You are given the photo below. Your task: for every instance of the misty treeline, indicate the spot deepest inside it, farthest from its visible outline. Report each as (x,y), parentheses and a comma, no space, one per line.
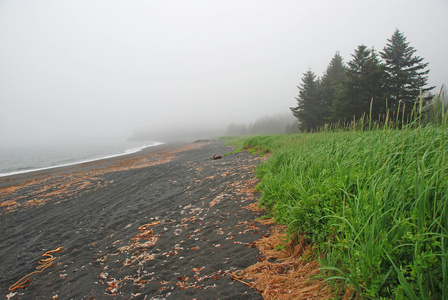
(276,124)
(372,85)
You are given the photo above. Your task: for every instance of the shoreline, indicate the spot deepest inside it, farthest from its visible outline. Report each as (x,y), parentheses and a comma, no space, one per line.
(126,152)
(165,222)
(99,163)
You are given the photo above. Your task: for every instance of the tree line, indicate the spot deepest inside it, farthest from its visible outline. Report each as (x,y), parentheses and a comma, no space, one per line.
(275,124)
(373,85)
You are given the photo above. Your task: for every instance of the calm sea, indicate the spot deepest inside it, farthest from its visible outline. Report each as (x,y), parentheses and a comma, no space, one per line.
(16,160)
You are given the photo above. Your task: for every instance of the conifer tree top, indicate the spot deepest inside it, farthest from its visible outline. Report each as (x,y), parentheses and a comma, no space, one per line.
(407,74)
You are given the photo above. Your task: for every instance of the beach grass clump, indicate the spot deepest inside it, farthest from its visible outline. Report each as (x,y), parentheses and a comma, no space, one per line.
(373,202)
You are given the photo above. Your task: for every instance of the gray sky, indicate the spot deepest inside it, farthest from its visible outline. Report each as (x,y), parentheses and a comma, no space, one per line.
(94,69)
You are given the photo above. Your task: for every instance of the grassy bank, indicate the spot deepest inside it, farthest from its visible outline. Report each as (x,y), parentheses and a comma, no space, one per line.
(374,203)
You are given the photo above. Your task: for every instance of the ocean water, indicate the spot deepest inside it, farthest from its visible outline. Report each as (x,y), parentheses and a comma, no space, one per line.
(17,160)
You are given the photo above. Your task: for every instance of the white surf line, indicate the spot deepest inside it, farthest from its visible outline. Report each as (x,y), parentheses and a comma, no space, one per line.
(127,152)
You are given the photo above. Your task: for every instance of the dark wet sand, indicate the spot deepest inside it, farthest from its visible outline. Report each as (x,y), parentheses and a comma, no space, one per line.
(167,222)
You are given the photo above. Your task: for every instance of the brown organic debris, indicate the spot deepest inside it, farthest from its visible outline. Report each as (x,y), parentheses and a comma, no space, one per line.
(216,156)
(286,273)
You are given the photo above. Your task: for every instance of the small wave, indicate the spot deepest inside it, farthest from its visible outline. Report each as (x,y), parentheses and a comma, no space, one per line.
(126,152)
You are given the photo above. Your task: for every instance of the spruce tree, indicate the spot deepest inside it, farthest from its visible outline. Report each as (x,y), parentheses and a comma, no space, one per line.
(308,108)
(331,82)
(363,83)
(406,73)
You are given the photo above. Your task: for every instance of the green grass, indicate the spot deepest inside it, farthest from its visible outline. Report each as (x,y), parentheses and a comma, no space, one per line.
(237,141)
(373,202)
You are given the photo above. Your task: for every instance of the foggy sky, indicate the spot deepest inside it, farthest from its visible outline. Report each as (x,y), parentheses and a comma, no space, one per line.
(89,70)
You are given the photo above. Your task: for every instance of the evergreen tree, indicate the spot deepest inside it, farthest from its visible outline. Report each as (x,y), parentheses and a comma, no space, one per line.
(364,82)
(329,87)
(308,106)
(406,73)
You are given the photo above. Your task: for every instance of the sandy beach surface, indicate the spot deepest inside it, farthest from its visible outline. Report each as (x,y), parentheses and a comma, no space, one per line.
(167,222)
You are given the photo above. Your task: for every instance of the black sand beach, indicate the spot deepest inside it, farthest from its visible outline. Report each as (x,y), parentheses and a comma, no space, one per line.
(167,222)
